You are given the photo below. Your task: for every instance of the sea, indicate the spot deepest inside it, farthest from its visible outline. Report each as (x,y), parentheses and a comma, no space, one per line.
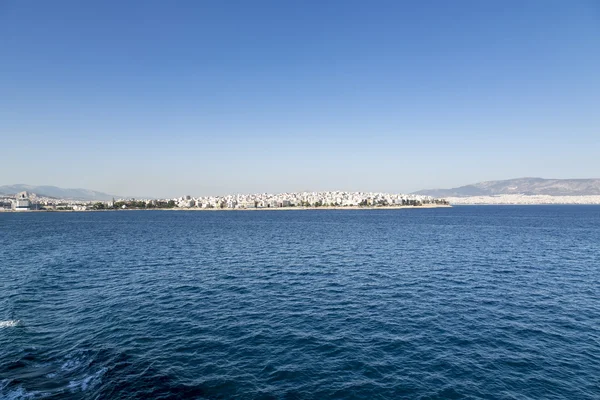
(469,302)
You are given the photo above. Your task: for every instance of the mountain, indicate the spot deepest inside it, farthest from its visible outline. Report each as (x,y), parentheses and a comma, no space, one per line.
(56,192)
(526,186)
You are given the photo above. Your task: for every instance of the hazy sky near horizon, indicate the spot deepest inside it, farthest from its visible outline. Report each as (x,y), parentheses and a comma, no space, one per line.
(165,98)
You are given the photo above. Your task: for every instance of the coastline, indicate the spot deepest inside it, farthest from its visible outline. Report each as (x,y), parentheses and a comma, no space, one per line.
(246,209)
(313,208)
(521,199)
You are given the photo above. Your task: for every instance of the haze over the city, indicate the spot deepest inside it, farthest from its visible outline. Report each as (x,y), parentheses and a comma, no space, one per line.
(156,99)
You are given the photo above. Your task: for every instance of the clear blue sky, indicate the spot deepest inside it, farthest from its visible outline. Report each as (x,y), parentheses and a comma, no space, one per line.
(167,98)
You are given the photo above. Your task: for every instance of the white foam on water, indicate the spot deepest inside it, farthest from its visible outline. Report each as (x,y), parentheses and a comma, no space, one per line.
(71,365)
(87,382)
(75,361)
(9,323)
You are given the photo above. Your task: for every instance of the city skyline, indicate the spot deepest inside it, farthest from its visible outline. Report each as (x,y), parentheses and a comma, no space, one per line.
(207,99)
(579,190)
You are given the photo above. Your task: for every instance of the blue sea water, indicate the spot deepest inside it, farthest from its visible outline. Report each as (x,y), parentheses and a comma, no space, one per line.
(469,302)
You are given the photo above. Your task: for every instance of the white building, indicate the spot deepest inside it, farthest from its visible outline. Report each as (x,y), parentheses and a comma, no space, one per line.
(22,202)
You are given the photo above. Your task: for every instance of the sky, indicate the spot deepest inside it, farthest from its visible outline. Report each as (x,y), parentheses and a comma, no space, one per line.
(166,98)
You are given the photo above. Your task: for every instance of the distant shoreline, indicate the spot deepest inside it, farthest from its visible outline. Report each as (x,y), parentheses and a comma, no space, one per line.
(522,204)
(514,199)
(314,208)
(247,209)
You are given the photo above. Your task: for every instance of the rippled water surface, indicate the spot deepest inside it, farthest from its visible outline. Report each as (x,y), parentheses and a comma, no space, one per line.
(468,302)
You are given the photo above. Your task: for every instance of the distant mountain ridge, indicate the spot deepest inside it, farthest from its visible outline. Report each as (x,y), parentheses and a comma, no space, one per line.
(56,192)
(526,186)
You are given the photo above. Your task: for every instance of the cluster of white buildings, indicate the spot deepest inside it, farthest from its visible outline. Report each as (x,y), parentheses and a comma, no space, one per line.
(25,201)
(305,199)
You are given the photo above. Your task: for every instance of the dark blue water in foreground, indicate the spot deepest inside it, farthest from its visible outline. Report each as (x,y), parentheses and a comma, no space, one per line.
(469,302)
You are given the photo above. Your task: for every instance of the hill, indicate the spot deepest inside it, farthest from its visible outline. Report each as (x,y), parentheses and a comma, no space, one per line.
(526,186)
(56,192)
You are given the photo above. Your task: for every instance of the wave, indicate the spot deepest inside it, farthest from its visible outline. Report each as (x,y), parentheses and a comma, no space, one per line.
(10,323)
